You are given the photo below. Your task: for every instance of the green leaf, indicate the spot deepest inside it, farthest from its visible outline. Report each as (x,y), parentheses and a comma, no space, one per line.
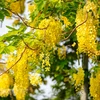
(11,48)
(2,46)
(40,4)
(1,16)
(37,1)
(9,27)
(5,12)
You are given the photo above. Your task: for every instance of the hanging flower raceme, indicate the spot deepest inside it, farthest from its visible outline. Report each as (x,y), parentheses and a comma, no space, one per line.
(51,35)
(20,73)
(16,6)
(87,32)
(5,83)
(95,86)
(21,77)
(78,78)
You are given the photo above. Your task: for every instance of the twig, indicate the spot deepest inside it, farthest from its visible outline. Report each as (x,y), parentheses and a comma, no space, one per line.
(2,62)
(27,45)
(25,22)
(14,63)
(76,27)
(11,95)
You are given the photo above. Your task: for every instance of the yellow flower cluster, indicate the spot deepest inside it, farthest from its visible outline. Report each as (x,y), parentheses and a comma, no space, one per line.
(51,35)
(35,79)
(66,21)
(79,78)
(87,32)
(45,61)
(91,6)
(95,86)
(5,83)
(43,45)
(21,77)
(47,37)
(20,73)
(31,7)
(16,6)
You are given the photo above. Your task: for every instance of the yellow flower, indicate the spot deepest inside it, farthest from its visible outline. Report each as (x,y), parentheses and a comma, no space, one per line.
(16,6)
(5,83)
(31,7)
(73,45)
(35,79)
(47,68)
(95,85)
(66,21)
(87,32)
(79,78)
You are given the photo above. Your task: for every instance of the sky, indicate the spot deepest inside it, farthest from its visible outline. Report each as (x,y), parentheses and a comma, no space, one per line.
(3,28)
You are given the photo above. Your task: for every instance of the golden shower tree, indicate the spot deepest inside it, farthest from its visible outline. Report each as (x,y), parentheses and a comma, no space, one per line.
(47,38)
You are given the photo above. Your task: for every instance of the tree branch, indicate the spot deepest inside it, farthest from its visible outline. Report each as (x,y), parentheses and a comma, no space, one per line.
(14,63)
(28,45)
(25,23)
(3,63)
(76,27)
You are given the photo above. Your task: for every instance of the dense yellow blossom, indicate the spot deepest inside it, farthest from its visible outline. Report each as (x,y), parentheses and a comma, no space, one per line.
(51,35)
(16,6)
(47,37)
(21,77)
(95,86)
(5,83)
(20,73)
(91,6)
(87,32)
(79,78)
(19,92)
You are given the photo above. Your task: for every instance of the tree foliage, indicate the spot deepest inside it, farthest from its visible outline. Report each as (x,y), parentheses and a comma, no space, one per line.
(47,38)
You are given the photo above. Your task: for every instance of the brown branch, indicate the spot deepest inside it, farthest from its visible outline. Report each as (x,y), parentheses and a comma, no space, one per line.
(25,23)
(28,45)
(14,63)
(11,95)
(76,27)
(2,62)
